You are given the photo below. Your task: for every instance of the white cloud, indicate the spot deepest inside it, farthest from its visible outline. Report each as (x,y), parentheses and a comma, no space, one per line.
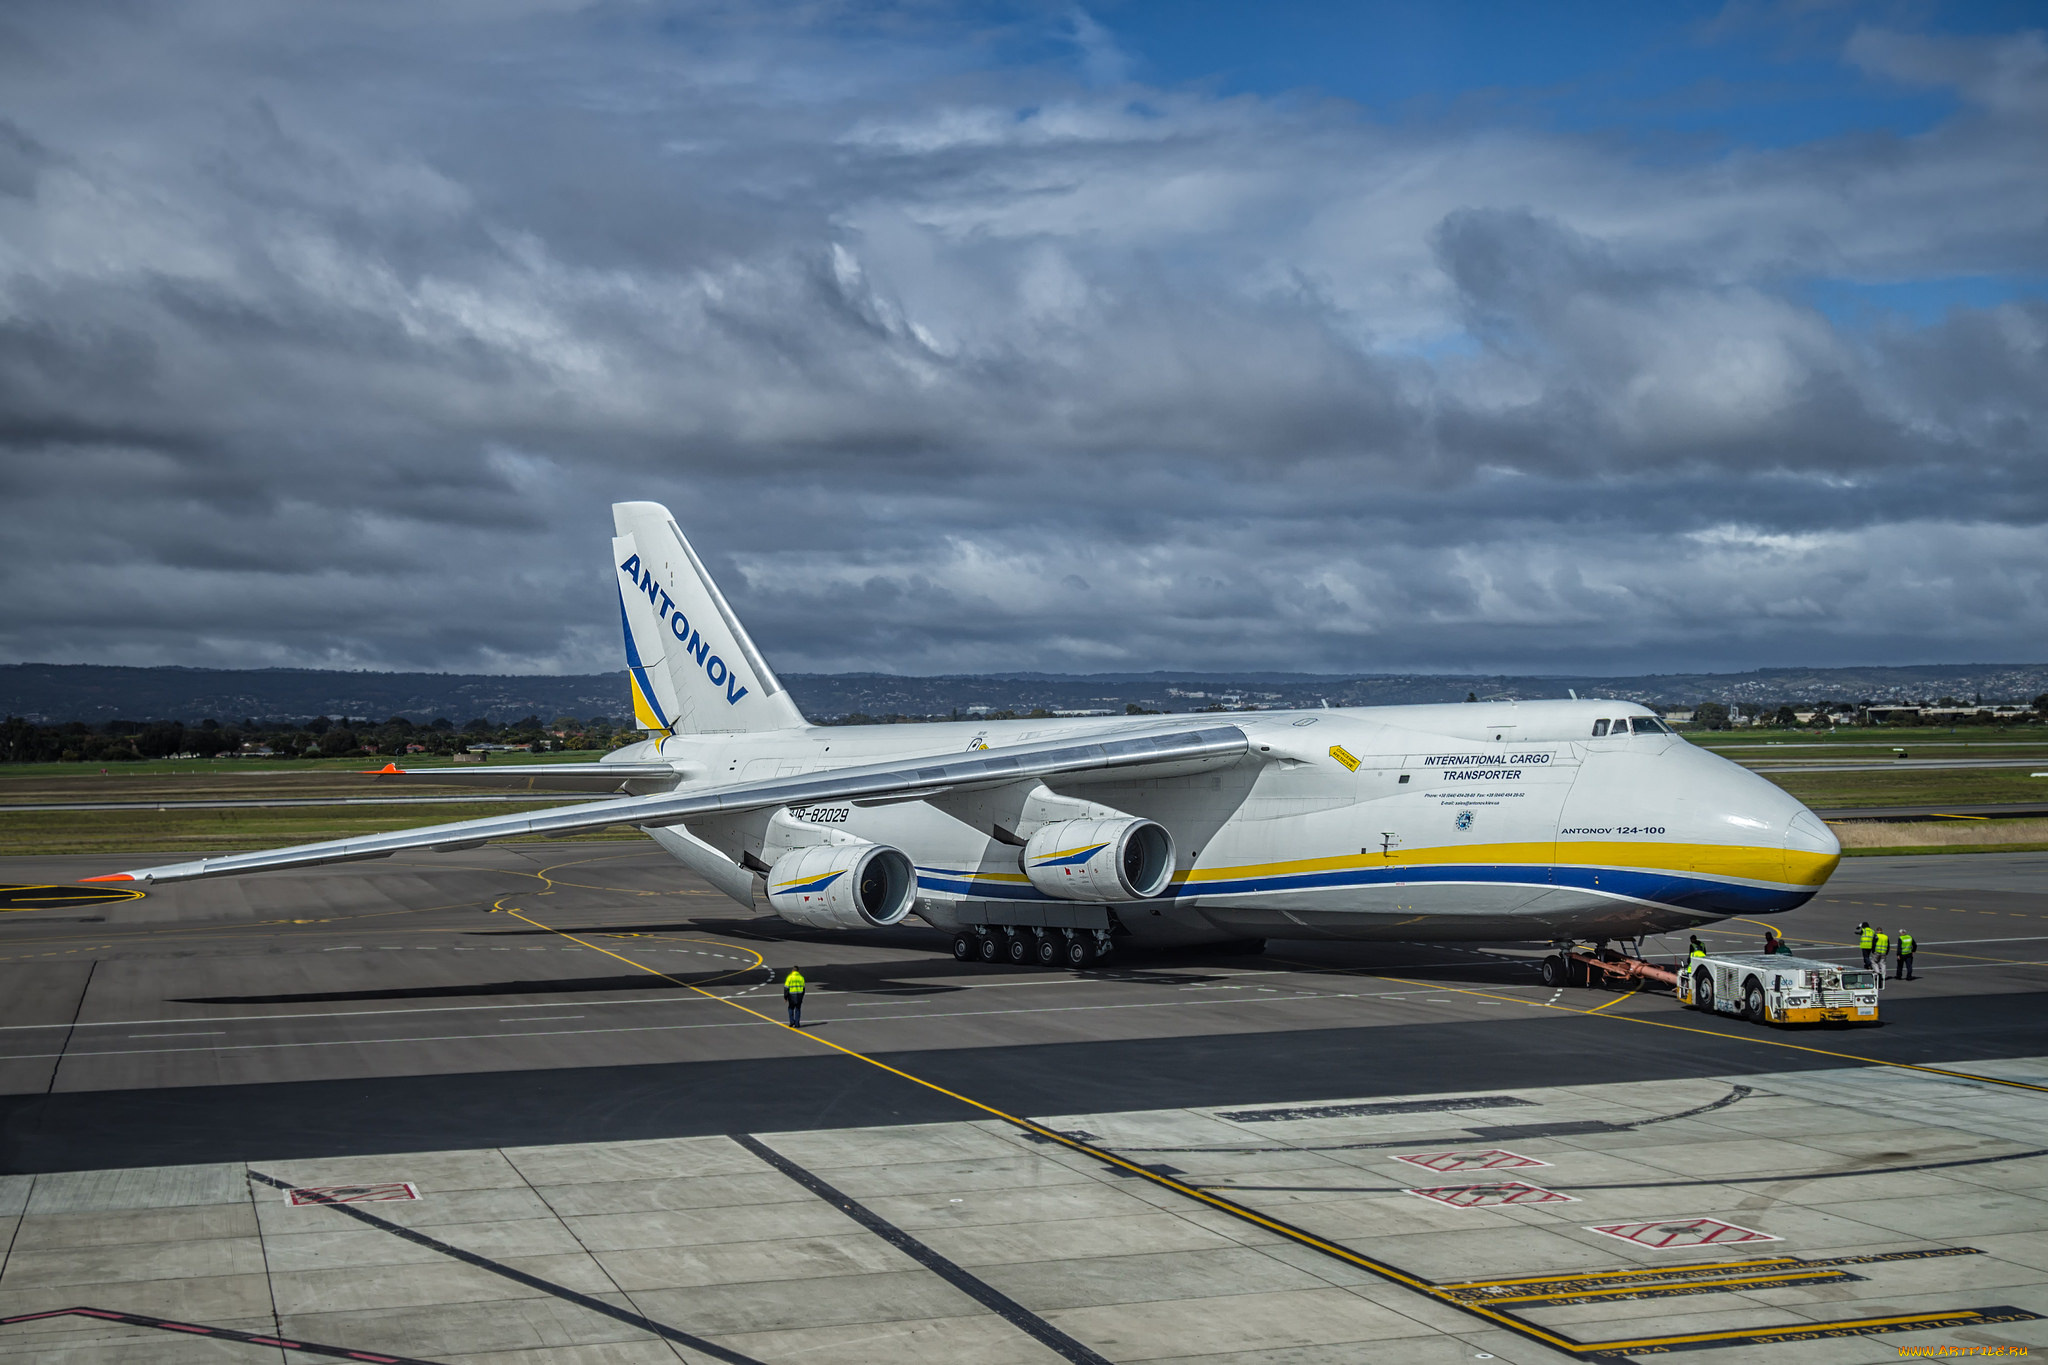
(339,341)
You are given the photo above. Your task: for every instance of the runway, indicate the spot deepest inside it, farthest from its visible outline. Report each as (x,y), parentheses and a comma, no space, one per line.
(555,1077)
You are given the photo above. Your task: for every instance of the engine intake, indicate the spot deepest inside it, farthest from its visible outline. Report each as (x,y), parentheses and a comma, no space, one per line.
(1100,860)
(843,886)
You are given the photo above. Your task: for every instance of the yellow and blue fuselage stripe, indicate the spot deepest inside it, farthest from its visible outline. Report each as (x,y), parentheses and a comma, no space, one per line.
(1703,877)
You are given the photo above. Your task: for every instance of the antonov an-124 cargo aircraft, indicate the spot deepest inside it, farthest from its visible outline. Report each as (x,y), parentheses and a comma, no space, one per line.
(1053,840)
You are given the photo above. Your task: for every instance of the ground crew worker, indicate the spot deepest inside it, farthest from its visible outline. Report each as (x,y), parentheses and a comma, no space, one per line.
(1699,949)
(793,996)
(1905,955)
(1772,943)
(1865,936)
(1879,944)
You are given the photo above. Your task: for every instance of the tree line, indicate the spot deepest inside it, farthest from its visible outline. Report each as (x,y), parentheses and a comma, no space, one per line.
(397,738)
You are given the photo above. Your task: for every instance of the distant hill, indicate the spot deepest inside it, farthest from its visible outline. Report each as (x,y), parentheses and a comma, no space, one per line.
(55,693)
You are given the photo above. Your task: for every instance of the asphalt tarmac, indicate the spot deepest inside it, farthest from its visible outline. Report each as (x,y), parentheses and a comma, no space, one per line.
(438,1002)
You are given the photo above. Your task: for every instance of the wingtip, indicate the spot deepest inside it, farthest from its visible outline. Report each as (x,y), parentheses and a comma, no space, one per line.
(387,768)
(110,877)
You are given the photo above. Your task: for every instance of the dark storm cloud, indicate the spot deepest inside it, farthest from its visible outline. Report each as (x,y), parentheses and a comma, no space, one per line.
(330,344)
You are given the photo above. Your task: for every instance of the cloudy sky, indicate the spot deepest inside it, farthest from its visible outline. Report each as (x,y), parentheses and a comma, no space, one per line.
(1308,336)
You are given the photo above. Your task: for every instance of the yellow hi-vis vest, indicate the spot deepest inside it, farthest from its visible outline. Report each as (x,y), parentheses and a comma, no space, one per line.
(1883,942)
(1905,944)
(794,982)
(1865,936)
(1699,952)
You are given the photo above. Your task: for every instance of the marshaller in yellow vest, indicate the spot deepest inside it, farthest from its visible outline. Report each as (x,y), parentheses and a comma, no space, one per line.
(793,996)
(1905,955)
(1881,944)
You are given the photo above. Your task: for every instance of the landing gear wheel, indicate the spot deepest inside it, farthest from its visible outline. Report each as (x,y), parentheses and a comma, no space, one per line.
(1703,993)
(1553,970)
(1048,953)
(965,949)
(989,949)
(1019,949)
(1753,1002)
(1080,952)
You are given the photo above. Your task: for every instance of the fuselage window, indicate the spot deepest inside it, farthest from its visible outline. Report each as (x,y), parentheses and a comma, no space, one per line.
(1599,728)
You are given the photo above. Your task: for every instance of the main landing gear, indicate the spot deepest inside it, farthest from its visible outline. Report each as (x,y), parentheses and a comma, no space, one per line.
(1022,946)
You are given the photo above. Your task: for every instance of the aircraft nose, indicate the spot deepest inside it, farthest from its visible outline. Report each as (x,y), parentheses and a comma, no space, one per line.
(1807,834)
(1765,833)
(1779,826)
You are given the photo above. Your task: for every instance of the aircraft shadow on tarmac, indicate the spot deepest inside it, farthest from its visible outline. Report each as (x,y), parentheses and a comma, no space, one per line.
(560,985)
(1283,956)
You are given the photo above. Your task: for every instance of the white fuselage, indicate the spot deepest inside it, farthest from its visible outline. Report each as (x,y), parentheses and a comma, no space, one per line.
(1473,821)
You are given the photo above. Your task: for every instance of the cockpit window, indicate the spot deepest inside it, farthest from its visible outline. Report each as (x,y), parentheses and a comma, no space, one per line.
(1649,725)
(1599,728)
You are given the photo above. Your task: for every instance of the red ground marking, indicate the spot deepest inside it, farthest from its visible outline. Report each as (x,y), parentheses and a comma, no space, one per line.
(217,1333)
(1490,1196)
(352,1194)
(1672,1234)
(1492,1159)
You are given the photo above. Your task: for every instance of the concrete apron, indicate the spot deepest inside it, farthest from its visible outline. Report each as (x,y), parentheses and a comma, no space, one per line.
(1837,1215)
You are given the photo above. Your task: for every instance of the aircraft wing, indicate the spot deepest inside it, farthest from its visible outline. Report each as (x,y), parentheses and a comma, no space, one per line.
(535,777)
(1152,751)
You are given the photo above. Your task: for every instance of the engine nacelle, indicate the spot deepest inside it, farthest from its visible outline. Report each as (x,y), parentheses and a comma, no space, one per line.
(1100,860)
(843,886)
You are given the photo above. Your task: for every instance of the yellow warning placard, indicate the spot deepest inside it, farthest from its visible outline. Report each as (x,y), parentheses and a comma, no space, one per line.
(1344,756)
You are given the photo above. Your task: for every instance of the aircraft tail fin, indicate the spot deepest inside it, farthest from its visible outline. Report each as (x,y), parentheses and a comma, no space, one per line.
(693,669)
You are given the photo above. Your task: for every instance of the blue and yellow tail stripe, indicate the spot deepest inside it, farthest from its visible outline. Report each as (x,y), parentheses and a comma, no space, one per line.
(1717,878)
(646,710)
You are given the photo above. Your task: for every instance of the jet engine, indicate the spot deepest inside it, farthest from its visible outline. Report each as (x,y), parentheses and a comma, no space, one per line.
(843,886)
(1100,860)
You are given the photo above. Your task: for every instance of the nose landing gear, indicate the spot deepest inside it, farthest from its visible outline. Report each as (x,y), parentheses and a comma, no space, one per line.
(1569,965)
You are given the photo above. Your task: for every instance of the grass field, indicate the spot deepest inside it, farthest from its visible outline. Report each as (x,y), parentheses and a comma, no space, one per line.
(158,767)
(1864,837)
(1880,736)
(191,833)
(1915,787)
